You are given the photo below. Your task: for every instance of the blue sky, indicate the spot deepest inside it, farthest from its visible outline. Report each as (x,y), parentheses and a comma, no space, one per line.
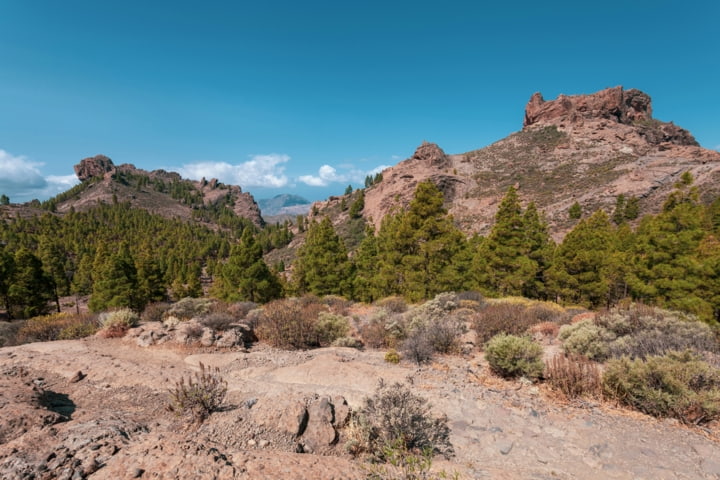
(306,97)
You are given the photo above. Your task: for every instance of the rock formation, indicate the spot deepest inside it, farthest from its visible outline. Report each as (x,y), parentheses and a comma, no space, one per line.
(96,166)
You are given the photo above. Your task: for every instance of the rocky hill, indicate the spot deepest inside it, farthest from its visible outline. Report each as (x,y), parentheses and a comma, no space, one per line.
(585,148)
(158,191)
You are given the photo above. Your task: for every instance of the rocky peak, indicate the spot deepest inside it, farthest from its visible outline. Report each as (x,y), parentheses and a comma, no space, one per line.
(627,107)
(622,106)
(96,166)
(431,155)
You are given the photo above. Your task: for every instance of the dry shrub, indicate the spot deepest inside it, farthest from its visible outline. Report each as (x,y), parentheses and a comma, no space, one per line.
(240,310)
(154,312)
(383,330)
(546,329)
(116,323)
(291,323)
(58,326)
(501,317)
(217,321)
(393,304)
(200,396)
(392,356)
(395,414)
(418,347)
(187,308)
(574,376)
(337,304)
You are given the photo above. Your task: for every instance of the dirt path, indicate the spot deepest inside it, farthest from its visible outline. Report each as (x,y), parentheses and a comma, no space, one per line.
(499,429)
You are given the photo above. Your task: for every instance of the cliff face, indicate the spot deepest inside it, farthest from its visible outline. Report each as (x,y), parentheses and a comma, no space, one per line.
(584,148)
(107,182)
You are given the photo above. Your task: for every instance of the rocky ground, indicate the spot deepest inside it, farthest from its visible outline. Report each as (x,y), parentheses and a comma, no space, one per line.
(96,408)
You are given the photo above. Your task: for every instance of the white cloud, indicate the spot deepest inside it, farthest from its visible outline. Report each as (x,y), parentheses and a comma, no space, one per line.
(327,175)
(260,171)
(22,180)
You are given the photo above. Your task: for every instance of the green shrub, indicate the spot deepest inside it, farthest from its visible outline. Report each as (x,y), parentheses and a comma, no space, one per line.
(403,464)
(348,342)
(392,356)
(637,332)
(587,339)
(329,327)
(573,375)
(78,330)
(678,385)
(512,356)
(198,397)
(394,415)
(188,308)
(117,322)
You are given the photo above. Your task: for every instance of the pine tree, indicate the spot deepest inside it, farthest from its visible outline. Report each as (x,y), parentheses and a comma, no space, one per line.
(512,260)
(357,207)
(30,287)
(575,211)
(322,266)
(365,261)
(115,282)
(418,250)
(7,267)
(579,273)
(618,216)
(666,266)
(245,276)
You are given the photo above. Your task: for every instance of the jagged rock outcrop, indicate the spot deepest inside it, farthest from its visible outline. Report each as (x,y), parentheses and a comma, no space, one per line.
(96,166)
(431,155)
(626,107)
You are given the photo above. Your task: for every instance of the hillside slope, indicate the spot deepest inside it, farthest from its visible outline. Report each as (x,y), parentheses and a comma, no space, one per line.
(586,148)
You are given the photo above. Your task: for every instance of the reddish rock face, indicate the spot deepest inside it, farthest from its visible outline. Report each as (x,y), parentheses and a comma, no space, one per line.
(96,166)
(623,106)
(431,154)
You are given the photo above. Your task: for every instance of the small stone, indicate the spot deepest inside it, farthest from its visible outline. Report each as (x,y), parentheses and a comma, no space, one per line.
(136,472)
(251,443)
(263,443)
(77,377)
(505,447)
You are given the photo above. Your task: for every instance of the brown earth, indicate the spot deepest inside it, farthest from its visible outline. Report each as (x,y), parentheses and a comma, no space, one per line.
(110,420)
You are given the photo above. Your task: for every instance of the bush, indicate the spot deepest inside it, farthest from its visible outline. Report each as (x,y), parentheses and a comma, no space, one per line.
(291,323)
(337,305)
(678,385)
(498,318)
(199,397)
(154,312)
(403,464)
(58,326)
(348,342)
(392,356)
(638,332)
(240,310)
(330,327)
(444,335)
(511,356)
(587,339)
(417,347)
(574,376)
(383,330)
(188,308)
(393,304)
(117,322)
(217,321)
(394,415)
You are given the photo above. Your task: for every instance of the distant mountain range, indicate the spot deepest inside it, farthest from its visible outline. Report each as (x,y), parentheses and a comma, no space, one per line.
(284,204)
